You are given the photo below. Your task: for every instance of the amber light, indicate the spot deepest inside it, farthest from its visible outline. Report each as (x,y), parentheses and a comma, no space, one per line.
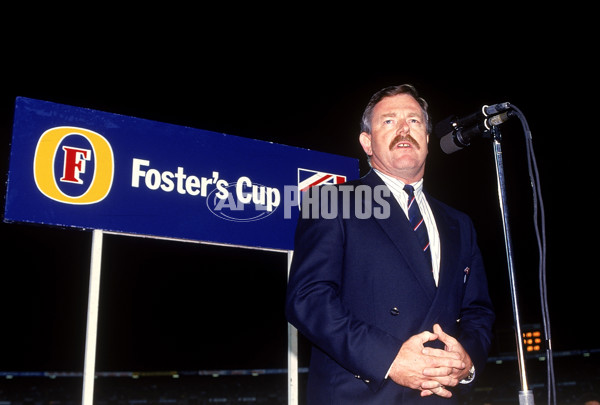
(532,340)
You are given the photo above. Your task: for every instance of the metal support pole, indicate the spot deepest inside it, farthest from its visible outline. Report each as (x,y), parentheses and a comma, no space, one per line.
(91,334)
(292,355)
(525,395)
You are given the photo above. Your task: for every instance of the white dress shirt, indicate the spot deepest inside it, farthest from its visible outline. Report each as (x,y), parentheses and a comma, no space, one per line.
(397,188)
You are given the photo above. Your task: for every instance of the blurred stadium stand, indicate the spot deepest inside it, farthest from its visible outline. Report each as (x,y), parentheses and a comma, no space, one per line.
(576,373)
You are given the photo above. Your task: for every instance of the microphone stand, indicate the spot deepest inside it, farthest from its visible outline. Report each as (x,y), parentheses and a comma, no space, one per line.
(525,394)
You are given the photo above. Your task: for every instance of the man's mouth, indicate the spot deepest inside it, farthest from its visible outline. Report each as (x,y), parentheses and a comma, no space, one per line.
(403,142)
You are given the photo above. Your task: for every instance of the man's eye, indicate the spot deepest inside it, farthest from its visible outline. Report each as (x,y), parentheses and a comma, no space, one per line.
(388,122)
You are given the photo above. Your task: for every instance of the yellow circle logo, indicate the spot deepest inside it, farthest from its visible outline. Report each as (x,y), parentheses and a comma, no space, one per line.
(74,164)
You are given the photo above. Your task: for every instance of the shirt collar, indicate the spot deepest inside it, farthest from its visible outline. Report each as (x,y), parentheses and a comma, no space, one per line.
(397,185)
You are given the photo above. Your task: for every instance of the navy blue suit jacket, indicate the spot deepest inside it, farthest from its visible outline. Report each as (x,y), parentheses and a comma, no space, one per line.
(358,289)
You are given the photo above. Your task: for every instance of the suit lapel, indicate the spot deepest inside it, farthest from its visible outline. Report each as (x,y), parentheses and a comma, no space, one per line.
(449,248)
(449,243)
(398,229)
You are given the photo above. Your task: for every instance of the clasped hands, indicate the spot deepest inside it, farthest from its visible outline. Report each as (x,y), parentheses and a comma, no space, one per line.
(427,369)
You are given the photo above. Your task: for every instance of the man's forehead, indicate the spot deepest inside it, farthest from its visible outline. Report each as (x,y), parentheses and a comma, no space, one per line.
(391,111)
(392,104)
(395,114)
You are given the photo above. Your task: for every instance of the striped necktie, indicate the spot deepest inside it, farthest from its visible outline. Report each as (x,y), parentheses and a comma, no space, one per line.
(417,222)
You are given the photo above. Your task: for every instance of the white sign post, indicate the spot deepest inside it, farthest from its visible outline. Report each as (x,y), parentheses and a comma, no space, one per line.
(89,366)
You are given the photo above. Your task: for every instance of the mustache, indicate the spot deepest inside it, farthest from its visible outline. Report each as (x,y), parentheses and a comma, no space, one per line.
(404,138)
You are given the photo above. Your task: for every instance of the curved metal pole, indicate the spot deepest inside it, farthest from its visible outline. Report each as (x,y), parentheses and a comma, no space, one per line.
(525,395)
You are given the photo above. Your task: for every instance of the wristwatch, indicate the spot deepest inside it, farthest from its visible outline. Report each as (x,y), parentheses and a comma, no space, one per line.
(469,377)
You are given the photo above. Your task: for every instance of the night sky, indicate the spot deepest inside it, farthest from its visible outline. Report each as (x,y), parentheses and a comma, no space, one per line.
(187,306)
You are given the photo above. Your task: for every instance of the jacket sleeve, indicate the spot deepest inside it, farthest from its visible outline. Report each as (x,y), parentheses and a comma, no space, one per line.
(314,305)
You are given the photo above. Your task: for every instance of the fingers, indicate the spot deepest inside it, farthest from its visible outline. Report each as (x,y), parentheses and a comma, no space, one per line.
(448,340)
(430,351)
(440,390)
(454,346)
(436,358)
(445,365)
(437,385)
(447,380)
(427,336)
(428,369)
(438,330)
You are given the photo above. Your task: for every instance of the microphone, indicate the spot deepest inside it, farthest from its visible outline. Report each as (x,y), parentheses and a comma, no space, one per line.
(453,122)
(459,138)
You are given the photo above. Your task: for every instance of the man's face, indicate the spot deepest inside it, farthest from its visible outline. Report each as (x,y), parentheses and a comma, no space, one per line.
(398,140)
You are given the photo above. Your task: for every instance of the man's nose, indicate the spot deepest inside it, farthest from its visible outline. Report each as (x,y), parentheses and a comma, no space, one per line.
(403,127)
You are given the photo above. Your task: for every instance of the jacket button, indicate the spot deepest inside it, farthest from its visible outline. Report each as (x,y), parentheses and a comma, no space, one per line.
(394,311)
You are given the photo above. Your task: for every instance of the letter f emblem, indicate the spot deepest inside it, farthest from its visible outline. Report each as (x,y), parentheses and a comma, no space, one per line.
(74,164)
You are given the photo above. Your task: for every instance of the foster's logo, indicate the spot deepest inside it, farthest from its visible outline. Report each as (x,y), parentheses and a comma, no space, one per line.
(73,165)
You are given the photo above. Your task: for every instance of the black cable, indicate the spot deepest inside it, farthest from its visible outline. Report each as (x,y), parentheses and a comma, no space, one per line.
(538,208)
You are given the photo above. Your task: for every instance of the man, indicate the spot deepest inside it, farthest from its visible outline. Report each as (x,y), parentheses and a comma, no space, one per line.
(390,321)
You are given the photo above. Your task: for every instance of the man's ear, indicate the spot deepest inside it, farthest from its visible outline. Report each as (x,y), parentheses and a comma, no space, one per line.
(365,141)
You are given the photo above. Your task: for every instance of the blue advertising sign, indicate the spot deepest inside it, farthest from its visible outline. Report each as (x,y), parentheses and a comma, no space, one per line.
(77,167)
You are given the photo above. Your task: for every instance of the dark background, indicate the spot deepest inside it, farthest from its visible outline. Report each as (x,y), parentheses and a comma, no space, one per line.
(177,306)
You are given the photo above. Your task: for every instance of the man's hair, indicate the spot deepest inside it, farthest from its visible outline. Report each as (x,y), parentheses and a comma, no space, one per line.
(365,124)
